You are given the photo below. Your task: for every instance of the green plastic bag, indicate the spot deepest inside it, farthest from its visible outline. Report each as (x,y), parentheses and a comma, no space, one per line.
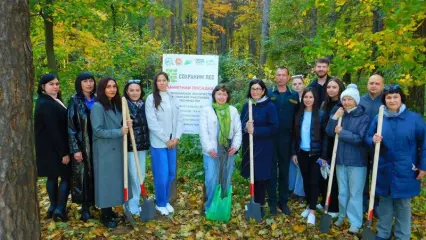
(220,208)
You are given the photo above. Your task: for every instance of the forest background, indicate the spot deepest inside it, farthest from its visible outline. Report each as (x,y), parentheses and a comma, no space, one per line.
(126,39)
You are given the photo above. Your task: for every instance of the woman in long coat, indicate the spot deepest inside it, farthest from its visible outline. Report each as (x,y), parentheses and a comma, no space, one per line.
(402,163)
(51,145)
(80,142)
(263,127)
(106,119)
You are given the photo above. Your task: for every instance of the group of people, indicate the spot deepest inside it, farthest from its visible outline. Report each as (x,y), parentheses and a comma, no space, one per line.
(293,136)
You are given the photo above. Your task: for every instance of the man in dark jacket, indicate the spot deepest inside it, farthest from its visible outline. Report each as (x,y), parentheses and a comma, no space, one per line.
(371,102)
(318,82)
(286,102)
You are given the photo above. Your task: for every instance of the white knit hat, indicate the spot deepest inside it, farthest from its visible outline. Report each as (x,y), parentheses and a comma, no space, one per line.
(351,91)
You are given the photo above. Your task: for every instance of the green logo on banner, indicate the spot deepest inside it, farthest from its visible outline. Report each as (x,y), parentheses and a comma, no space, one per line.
(172,74)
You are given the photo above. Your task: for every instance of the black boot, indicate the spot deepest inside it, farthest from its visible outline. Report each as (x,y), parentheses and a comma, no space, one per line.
(52,191)
(107,218)
(60,213)
(85,212)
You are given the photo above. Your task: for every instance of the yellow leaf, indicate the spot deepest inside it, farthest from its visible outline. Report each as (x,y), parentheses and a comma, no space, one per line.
(299,228)
(52,226)
(273,227)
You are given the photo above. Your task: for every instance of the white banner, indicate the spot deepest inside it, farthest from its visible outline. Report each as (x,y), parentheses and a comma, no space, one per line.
(192,80)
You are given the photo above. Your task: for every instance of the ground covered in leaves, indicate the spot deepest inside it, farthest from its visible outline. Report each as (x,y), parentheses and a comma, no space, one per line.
(189,222)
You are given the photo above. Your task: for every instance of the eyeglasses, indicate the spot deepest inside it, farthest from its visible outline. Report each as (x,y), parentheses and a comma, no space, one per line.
(256,89)
(392,87)
(134,81)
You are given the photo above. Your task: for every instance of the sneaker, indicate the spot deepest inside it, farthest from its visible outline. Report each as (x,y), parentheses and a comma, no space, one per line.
(353,230)
(339,222)
(305,213)
(319,207)
(169,207)
(162,210)
(311,219)
(333,214)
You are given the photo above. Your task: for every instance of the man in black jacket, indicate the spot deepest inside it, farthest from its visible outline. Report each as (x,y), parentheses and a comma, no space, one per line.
(318,82)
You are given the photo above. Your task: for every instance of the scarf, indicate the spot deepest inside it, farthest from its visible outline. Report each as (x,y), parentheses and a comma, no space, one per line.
(401,109)
(260,100)
(224,116)
(138,103)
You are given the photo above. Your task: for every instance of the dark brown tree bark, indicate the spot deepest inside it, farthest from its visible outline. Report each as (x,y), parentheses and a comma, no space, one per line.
(46,14)
(19,214)
(199,26)
(265,30)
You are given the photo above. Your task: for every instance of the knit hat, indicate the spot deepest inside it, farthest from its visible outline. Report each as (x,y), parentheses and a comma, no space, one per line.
(351,91)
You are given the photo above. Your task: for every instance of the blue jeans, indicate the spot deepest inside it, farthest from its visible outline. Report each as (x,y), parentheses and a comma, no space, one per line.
(164,171)
(211,169)
(351,181)
(134,183)
(295,180)
(401,210)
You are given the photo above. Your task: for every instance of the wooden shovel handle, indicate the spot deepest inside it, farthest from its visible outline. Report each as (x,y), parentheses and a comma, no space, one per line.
(375,164)
(123,111)
(333,165)
(250,110)
(135,151)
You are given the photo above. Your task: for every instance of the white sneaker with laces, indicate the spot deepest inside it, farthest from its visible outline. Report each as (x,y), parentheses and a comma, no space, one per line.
(305,213)
(311,219)
(162,210)
(169,207)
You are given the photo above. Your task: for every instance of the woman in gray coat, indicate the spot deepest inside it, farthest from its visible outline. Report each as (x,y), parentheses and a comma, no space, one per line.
(106,120)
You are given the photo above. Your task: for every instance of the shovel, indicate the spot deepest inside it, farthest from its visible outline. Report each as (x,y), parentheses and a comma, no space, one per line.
(147,209)
(126,193)
(325,221)
(367,233)
(252,209)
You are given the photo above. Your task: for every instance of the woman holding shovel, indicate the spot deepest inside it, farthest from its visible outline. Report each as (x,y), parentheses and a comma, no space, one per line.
(220,131)
(351,156)
(309,136)
(133,93)
(402,163)
(165,123)
(263,127)
(80,142)
(106,119)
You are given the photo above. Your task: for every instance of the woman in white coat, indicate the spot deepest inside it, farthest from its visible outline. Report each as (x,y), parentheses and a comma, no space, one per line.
(220,130)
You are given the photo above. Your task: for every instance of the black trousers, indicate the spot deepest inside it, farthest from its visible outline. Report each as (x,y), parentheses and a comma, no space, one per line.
(311,177)
(260,191)
(334,195)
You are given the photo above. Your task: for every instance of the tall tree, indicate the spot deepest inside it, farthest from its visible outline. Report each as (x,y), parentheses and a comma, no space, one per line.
(18,189)
(265,30)
(47,15)
(180,27)
(152,22)
(172,21)
(199,26)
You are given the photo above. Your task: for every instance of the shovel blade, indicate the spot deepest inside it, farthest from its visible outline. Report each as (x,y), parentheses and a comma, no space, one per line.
(253,211)
(325,223)
(147,210)
(368,234)
(128,214)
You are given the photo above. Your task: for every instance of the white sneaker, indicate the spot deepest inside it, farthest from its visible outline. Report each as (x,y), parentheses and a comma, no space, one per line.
(339,222)
(169,207)
(305,213)
(333,214)
(162,210)
(311,219)
(319,207)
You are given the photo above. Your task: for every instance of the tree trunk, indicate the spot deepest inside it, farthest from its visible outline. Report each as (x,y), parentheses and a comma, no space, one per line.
(199,26)
(114,18)
(19,214)
(313,26)
(48,33)
(152,22)
(378,25)
(163,22)
(265,30)
(180,26)
(172,22)
(223,41)
(252,46)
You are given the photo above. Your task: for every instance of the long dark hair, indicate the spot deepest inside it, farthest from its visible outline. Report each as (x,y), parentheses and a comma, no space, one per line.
(83,76)
(103,99)
(315,115)
(126,88)
(156,92)
(328,99)
(45,79)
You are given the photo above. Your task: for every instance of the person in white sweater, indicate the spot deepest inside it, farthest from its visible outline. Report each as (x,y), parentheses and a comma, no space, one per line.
(220,136)
(165,124)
